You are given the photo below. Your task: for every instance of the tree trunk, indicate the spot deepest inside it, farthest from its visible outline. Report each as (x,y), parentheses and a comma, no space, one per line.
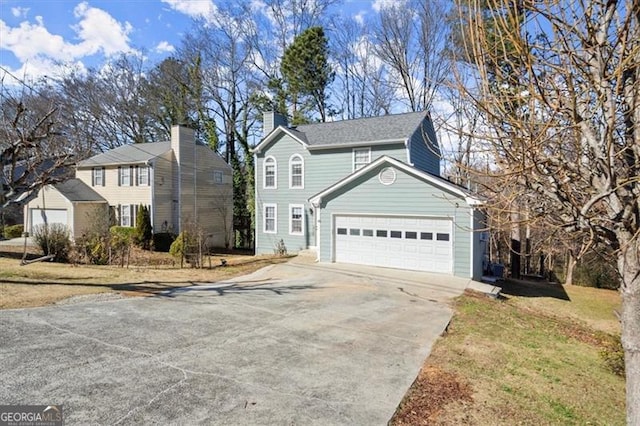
(571,266)
(629,269)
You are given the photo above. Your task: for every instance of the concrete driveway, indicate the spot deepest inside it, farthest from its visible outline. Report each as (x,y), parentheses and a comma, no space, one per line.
(295,343)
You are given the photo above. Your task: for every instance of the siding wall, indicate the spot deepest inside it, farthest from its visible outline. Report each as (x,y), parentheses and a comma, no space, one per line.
(48,198)
(322,168)
(424,149)
(83,214)
(407,196)
(117,195)
(163,197)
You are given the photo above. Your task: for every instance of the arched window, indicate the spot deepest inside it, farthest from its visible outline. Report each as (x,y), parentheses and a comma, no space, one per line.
(270,173)
(296,172)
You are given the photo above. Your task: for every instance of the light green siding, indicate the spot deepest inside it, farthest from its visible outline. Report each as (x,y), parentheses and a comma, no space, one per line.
(322,168)
(407,196)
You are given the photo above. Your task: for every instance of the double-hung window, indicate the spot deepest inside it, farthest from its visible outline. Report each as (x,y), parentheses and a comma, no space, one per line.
(126,218)
(97,176)
(270,172)
(361,157)
(143,176)
(124,176)
(296,172)
(296,219)
(269,216)
(218,177)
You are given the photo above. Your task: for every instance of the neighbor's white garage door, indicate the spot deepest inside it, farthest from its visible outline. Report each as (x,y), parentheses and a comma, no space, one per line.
(38,217)
(396,242)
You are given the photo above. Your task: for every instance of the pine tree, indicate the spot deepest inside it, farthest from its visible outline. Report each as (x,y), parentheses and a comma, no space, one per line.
(144,231)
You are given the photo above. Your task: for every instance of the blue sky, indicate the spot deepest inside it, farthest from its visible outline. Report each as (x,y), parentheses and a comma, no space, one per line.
(36,35)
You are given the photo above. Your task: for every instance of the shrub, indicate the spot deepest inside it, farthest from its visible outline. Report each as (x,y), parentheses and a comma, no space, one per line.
(53,240)
(13,231)
(613,356)
(95,247)
(162,241)
(123,232)
(186,246)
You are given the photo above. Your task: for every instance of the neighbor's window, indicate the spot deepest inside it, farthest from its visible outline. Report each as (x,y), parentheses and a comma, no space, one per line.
(97,176)
(270,211)
(143,176)
(296,219)
(270,167)
(361,157)
(296,172)
(124,176)
(218,177)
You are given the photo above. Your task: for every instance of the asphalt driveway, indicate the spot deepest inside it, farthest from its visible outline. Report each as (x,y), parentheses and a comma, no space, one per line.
(291,344)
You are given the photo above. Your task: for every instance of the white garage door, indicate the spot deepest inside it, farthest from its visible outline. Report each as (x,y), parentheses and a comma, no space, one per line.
(396,242)
(38,217)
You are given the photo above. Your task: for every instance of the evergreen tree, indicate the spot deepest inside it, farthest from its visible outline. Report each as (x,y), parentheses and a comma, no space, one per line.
(307,74)
(144,232)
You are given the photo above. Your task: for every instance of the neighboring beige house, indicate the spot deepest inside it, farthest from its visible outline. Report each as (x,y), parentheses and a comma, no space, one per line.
(183,182)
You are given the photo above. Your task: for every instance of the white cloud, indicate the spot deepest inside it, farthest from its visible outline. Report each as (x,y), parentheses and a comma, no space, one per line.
(41,52)
(359,17)
(100,31)
(193,8)
(165,47)
(379,5)
(19,12)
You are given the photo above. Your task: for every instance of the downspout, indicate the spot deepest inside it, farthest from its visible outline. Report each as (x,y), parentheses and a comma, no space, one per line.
(255,201)
(407,145)
(152,182)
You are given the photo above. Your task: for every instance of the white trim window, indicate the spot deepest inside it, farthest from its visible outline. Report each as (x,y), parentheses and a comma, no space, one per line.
(296,219)
(97,176)
(270,218)
(218,177)
(296,172)
(126,215)
(361,157)
(124,176)
(270,173)
(143,176)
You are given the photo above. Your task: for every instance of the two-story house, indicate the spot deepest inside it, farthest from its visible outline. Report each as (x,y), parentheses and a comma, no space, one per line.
(184,183)
(365,191)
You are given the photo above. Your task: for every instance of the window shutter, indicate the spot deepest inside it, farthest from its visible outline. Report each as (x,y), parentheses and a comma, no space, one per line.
(104,175)
(93,177)
(132,214)
(135,178)
(148,175)
(130,175)
(119,176)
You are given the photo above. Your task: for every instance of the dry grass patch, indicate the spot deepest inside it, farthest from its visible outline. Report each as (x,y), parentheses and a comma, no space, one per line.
(43,283)
(523,363)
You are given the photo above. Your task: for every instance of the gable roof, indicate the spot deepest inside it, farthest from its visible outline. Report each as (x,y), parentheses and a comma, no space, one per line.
(76,190)
(128,154)
(348,133)
(437,181)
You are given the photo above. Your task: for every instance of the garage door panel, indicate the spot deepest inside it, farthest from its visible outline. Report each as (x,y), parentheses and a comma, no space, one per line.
(401,242)
(49,216)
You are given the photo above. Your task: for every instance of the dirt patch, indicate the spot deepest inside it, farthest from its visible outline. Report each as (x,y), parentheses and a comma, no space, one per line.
(430,393)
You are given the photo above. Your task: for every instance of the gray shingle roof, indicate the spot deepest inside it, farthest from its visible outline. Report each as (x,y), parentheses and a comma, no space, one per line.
(77,190)
(127,154)
(374,129)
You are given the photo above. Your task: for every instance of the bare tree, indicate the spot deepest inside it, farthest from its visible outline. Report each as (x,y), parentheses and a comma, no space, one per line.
(410,39)
(559,83)
(33,148)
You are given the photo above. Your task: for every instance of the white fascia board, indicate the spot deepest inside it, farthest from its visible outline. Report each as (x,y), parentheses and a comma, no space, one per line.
(355,144)
(271,136)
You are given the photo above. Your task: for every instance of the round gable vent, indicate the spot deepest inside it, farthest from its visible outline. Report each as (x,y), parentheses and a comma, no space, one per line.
(387,176)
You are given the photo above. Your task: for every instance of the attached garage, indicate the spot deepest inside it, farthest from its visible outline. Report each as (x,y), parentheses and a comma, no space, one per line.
(393,215)
(50,216)
(416,243)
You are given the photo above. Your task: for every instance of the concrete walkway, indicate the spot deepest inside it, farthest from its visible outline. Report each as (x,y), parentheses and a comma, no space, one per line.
(293,344)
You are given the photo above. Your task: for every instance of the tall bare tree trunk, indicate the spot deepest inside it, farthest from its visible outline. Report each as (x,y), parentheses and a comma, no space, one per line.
(629,269)
(570,268)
